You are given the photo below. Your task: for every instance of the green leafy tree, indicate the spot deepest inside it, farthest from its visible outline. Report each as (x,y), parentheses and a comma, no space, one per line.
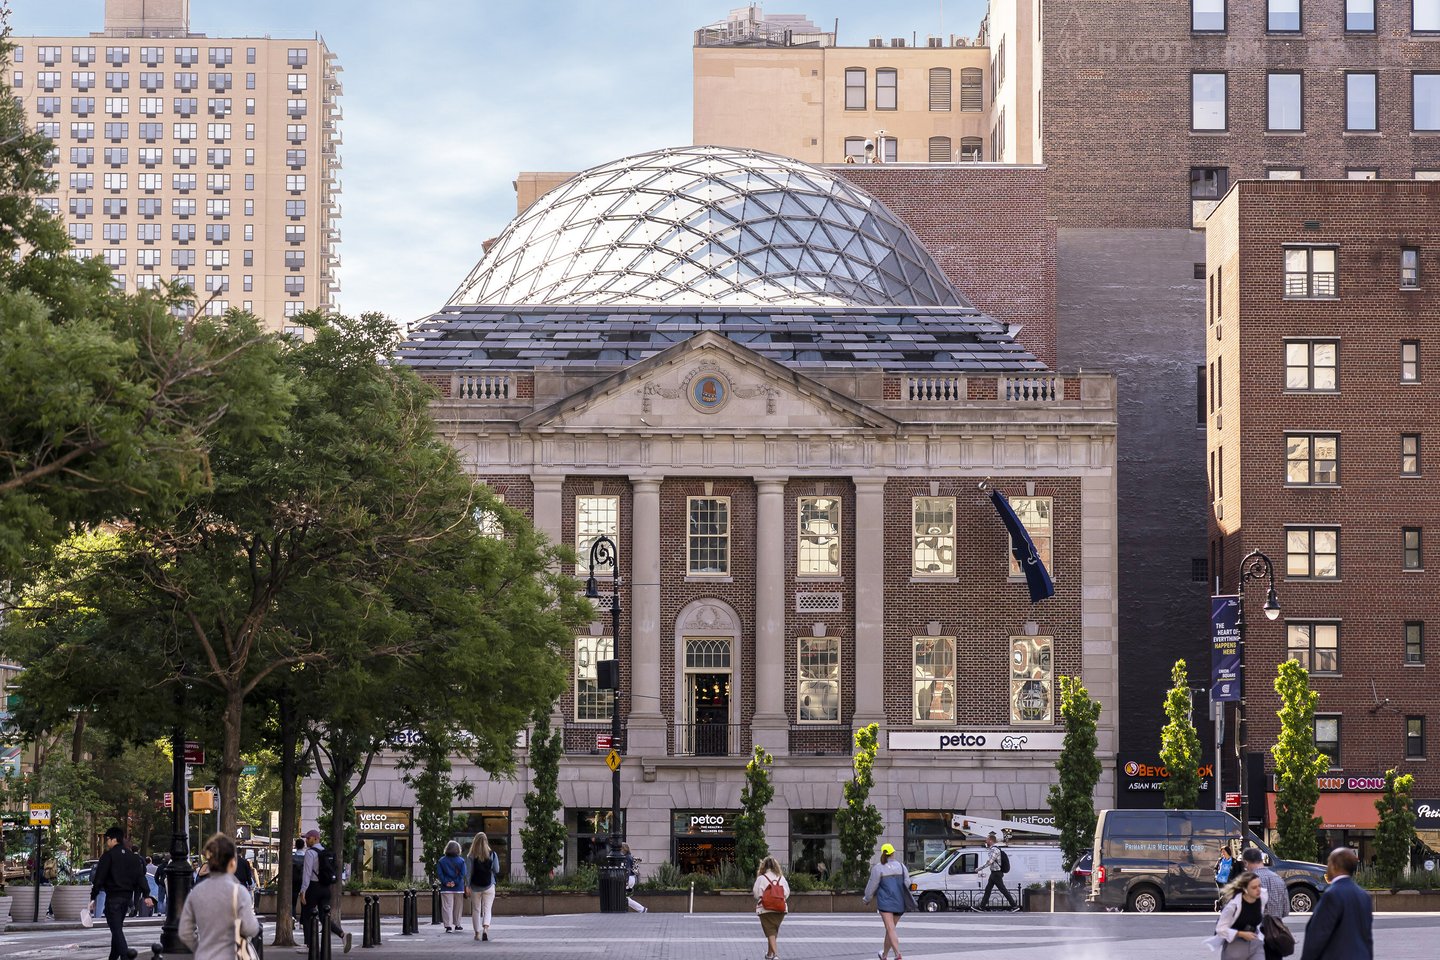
(859,822)
(1297,765)
(1072,798)
(427,770)
(1395,834)
(755,796)
(544,834)
(1180,744)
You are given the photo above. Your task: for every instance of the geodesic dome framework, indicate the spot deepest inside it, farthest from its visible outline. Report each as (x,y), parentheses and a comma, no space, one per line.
(708,225)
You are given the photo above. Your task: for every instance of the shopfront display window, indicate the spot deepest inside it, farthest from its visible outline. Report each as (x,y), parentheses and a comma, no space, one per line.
(927,834)
(587,835)
(383,839)
(702,841)
(496,826)
(814,843)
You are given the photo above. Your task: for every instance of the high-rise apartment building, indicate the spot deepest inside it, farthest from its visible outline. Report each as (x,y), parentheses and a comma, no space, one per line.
(204,161)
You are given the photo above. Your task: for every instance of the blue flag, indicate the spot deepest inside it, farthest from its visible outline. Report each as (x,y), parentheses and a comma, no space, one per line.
(1036,576)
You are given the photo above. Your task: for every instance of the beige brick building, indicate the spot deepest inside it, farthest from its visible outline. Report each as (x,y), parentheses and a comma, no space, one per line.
(179,157)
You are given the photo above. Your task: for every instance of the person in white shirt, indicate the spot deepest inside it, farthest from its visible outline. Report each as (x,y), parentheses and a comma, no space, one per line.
(770,881)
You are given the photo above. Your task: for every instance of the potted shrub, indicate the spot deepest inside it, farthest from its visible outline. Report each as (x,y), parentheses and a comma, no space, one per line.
(22,901)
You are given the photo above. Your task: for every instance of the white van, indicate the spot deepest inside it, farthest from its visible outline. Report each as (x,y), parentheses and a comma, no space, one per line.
(956,878)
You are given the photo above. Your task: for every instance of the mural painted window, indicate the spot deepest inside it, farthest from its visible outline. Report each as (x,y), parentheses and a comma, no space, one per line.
(934,679)
(818,671)
(591,702)
(1037,513)
(595,516)
(819,547)
(933,551)
(1031,673)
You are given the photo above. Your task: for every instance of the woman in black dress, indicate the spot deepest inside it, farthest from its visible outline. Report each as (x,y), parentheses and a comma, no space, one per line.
(1239,923)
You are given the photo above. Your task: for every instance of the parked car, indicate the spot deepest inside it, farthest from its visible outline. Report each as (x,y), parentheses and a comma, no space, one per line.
(1080,873)
(955,879)
(1148,860)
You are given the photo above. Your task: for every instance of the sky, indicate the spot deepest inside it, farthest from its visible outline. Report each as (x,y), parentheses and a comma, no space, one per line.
(445,101)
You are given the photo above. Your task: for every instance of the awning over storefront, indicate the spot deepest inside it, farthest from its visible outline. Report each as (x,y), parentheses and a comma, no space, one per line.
(1341,811)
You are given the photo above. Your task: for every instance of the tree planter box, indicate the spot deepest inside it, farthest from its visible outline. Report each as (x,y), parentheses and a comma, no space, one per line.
(1406,901)
(68,900)
(515,904)
(22,903)
(1040,901)
(4,911)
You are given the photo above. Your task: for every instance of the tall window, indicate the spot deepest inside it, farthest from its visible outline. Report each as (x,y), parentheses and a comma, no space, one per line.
(1425,102)
(1414,738)
(818,672)
(972,89)
(933,549)
(487,522)
(1315,645)
(1409,361)
(595,516)
(591,702)
(1207,16)
(1207,101)
(1286,111)
(1037,513)
(1327,738)
(934,679)
(1361,102)
(940,89)
(1409,268)
(939,149)
(819,533)
(1425,16)
(709,536)
(854,88)
(1284,16)
(1312,552)
(1310,272)
(1360,16)
(1415,642)
(1413,554)
(886,83)
(1409,454)
(1312,459)
(972,149)
(1031,698)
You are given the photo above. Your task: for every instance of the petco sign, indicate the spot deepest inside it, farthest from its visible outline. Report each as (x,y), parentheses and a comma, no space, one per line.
(949,740)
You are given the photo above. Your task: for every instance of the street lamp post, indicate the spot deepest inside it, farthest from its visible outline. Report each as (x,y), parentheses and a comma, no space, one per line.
(1256,566)
(603,551)
(177,872)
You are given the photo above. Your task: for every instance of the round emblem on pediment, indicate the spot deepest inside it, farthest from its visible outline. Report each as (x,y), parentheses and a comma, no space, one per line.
(709,392)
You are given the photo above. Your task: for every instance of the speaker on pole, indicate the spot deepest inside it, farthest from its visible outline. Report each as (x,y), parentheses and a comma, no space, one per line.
(607,674)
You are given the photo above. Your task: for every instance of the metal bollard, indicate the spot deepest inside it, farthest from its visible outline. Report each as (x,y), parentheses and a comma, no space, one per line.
(375,921)
(434,904)
(406,902)
(324,930)
(365,924)
(312,937)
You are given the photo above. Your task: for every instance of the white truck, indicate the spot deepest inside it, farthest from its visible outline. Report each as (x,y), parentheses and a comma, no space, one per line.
(956,878)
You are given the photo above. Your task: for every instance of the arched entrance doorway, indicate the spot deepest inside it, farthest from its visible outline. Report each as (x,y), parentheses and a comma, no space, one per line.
(707,687)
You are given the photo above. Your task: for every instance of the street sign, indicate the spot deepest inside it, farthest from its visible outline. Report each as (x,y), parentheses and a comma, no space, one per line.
(603,741)
(612,760)
(39,814)
(169,802)
(249,770)
(202,801)
(194,753)
(1232,799)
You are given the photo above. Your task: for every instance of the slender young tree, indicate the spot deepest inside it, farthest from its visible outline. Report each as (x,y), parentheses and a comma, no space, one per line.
(755,796)
(544,834)
(1072,798)
(859,822)
(1297,765)
(1180,744)
(1395,834)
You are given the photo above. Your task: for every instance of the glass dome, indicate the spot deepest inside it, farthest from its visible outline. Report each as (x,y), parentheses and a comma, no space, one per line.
(708,225)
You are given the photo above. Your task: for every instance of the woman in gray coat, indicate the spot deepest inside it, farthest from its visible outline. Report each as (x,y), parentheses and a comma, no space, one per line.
(208,924)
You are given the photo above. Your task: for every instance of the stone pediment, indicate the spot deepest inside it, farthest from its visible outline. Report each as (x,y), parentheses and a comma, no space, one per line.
(709,384)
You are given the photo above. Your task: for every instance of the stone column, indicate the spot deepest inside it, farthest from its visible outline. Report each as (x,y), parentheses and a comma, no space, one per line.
(549,506)
(646,724)
(771,724)
(869,547)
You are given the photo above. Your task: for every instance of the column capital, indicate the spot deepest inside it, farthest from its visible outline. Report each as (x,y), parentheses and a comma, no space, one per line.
(770,484)
(869,483)
(547,482)
(645,483)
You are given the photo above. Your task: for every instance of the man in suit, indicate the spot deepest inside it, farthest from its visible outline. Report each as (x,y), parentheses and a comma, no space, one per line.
(1339,929)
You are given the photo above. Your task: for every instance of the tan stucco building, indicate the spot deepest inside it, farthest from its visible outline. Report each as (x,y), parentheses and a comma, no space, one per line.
(182,157)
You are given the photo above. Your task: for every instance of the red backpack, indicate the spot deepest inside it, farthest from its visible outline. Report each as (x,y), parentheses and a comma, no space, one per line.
(773,899)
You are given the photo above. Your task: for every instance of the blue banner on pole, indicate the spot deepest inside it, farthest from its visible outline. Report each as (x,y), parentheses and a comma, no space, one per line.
(1225,649)
(1037,578)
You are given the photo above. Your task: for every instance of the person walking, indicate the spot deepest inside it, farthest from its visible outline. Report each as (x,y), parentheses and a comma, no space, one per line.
(632,877)
(1340,927)
(889,886)
(997,862)
(450,871)
(219,914)
(317,882)
(297,870)
(483,868)
(1237,932)
(120,874)
(772,895)
(1224,867)
(1277,898)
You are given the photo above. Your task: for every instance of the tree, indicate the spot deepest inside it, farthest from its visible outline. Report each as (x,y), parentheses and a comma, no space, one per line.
(434,792)
(1180,744)
(1072,798)
(750,845)
(543,834)
(1297,765)
(1395,834)
(858,822)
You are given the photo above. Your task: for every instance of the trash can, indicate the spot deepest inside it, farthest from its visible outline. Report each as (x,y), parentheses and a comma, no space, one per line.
(612,886)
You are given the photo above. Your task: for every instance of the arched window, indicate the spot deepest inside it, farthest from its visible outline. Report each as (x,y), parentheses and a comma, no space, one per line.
(940,88)
(972,90)
(940,150)
(972,149)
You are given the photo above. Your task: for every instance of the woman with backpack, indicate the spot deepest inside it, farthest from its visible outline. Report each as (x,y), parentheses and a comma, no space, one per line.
(889,885)
(483,866)
(771,892)
(450,871)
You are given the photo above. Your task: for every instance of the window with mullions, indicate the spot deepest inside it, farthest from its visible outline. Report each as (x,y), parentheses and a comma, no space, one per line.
(1316,646)
(1312,459)
(854,88)
(709,536)
(1415,642)
(1031,699)
(818,552)
(1327,738)
(1207,16)
(591,702)
(817,698)
(1412,548)
(1409,268)
(1312,553)
(1409,361)
(595,517)
(1283,16)
(933,547)
(588,836)
(886,89)
(1360,16)
(1409,454)
(934,679)
(1037,514)
(1310,272)
(488,522)
(1414,738)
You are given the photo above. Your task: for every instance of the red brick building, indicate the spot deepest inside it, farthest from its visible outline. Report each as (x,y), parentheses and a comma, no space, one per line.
(751,375)
(1321,405)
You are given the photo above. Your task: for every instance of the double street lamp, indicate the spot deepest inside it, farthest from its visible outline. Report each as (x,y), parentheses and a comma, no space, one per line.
(603,552)
(1256,566)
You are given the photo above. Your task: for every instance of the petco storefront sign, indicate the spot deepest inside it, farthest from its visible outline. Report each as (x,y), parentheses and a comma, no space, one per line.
(950,740)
